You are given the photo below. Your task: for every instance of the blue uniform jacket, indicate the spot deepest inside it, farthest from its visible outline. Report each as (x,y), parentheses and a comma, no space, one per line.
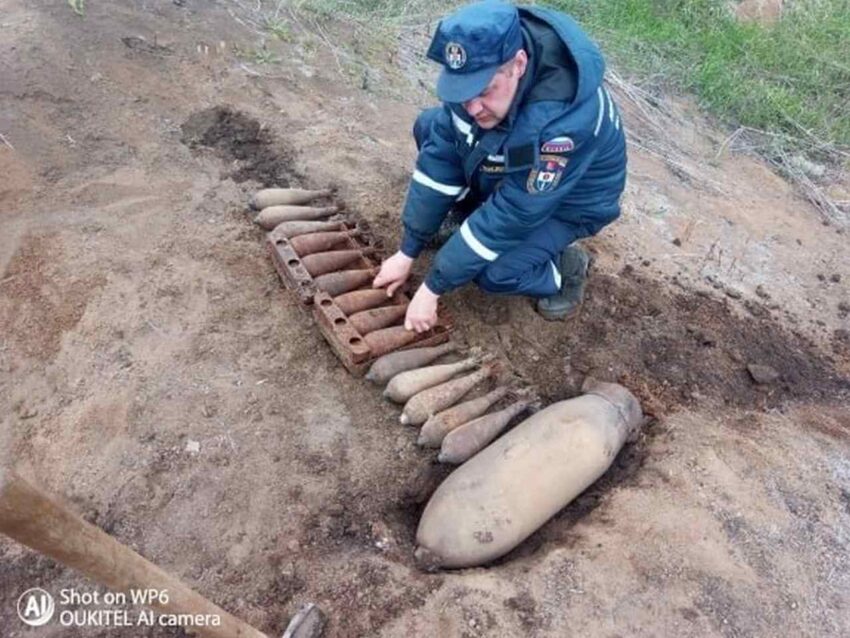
(559,152)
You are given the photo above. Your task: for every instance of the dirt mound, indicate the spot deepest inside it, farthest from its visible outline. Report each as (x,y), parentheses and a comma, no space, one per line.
(237,137)
(672,347)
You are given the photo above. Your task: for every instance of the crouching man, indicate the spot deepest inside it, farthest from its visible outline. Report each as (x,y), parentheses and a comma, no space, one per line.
(526,155)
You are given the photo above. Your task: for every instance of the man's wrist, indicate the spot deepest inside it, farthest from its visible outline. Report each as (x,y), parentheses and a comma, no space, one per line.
(410,246)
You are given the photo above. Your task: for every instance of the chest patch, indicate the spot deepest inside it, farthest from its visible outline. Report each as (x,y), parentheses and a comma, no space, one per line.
(562,144)
(546,175)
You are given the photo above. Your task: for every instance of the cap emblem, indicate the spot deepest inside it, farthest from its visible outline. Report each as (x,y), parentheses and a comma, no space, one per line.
(455,56)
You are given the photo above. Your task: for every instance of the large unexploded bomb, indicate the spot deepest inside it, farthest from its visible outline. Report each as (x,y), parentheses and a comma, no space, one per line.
(428,402)
(332,261)
(504,493)
(336,283)
(278,196)
(438,426)
(391,364)
(389,339)
(373,319)
(463,442)
(405,384)
(275,215)
(359,300)
(295,229)
(319,242)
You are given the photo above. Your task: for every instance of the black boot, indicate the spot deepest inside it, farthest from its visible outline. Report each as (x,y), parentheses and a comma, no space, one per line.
(573,265)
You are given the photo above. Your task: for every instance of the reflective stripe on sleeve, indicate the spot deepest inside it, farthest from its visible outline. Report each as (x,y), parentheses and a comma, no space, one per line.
(477,247)
(464,127)
(445,189)
(601,111)
(610,106)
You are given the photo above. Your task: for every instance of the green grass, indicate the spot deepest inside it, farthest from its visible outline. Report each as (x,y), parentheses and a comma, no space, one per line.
(792,77)
(789,78)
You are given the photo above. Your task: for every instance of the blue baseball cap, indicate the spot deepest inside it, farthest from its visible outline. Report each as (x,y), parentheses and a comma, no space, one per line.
(472,44)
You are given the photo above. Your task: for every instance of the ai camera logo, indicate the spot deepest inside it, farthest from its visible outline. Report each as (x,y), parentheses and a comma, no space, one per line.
(36,607)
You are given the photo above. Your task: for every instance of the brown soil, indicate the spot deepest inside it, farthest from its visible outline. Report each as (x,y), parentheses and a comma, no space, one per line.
(141,318)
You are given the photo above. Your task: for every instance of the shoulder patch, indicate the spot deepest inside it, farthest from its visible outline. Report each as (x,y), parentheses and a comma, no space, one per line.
(562,144)
(546,174)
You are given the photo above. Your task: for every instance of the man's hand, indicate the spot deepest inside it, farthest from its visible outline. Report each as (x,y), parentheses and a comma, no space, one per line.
(422,311)
(394,272)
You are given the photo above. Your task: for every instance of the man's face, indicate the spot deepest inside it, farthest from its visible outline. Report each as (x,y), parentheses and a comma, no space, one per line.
(492,106)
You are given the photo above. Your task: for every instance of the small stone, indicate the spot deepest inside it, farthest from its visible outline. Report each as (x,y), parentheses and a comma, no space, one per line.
(762,374)
(733,293)
(835,278)
(645,262)
(821,276)
(677,242)
(29,413)
(761,292)
(844,307)
(193,447)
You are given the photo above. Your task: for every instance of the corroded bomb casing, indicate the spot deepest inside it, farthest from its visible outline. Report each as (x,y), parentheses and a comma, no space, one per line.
(274,215)
(391,364)
(462,443)
(420,407)
(368,321)
(439,425)
(331,261)
(277,196)
(388,339)
(507,491)
(359,300)
(318,242)
(336,283)
(294,229)
(405,384)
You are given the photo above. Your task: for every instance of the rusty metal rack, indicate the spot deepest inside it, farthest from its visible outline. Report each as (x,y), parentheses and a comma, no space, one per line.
(349,345)
(295,277)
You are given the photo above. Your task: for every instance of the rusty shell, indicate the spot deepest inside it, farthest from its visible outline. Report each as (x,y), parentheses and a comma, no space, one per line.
(318,242)
(376,318)
(332,261)
(275,215)
(277,196)
(388,339)
(336,283)
(359,300)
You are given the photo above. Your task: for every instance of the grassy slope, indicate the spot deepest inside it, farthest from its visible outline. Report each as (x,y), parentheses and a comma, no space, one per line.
(787,78)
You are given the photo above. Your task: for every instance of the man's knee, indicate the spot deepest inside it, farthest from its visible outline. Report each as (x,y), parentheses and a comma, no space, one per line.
(422,125)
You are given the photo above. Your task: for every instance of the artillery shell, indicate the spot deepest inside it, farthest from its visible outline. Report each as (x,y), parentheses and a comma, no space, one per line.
(277,196)
(405,384)
(274,215)
(318,242)
(376,318)
(294,229)
(332,260)
(428,402)
(336,283)
(388,339)
(467,440)
(358,300)
(391,364)
(438,426)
